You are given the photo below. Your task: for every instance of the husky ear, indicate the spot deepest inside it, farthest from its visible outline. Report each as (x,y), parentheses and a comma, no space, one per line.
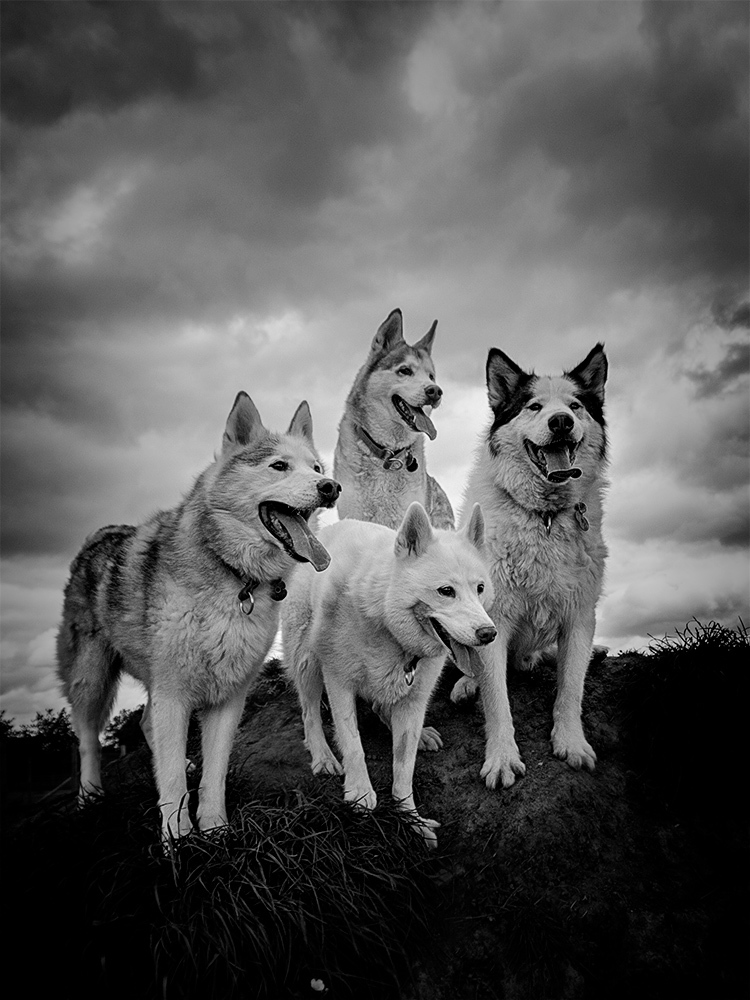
(474,530)
(425,343)
(390,333)
(504,378)
(243,423)
(592,372)
(415,533)
(301,424)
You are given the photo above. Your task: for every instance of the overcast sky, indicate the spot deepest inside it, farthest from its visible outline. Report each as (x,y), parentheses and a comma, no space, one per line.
(200,198)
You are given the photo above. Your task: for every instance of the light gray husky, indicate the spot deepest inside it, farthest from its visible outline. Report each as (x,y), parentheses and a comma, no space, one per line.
(539,476)
(379,625)
(187,604)
(379,458)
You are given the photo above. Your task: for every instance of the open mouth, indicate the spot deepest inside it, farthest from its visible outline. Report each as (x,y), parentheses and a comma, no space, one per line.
(554,461)
(289,526)
(462,655)
(414,417)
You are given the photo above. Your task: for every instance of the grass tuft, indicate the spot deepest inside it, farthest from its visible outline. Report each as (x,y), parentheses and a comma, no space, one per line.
(299,888)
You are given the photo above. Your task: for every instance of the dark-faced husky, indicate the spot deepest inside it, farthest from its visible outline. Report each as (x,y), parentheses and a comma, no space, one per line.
(187,604)
(379,458)
(539,476)
(379,625)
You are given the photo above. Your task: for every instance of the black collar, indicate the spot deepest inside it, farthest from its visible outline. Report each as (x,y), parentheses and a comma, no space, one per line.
(245,596)
(579,513)
(390,457)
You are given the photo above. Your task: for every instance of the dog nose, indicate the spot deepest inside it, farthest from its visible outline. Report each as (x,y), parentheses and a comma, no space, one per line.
(329,490)
(486,634)
(560,423)
(433,393)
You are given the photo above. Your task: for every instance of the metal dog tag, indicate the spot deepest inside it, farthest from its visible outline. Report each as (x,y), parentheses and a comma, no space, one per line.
(246,599)
(393,464)
(579,512)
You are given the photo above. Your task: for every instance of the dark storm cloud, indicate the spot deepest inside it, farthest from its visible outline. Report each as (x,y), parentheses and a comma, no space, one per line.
(57,56)
(733,366)
(653,140)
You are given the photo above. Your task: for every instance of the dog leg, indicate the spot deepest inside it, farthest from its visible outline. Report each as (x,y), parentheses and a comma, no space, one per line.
(357,785)
(308,680)
(407,717)
(429,738)
(502,760)
(574,652)
(218,726)
(169,725)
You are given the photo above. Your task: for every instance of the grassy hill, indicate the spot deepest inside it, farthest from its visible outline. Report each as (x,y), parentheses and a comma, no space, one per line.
(631,881)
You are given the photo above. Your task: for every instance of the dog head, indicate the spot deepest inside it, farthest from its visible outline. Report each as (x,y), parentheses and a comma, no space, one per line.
(550,426)
(443,582)
(275,479)
(397,389)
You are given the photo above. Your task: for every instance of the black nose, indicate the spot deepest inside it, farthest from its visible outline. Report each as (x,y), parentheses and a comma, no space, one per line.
(560,423)
(486,634)
(433,393)
(329,490)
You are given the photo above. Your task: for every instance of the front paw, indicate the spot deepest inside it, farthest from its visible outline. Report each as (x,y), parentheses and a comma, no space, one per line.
(175,822)
(424,828)
(212,821)
(362,797)
(430,739)
(502,765)
(574,749)
(326,763)
(464,690)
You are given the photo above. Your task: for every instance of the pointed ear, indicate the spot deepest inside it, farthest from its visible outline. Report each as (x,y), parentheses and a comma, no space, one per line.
(504,378)
(390,333)
(425,343)
(592,372)
(415,533)
(243,423)
(474,530)
(301,424)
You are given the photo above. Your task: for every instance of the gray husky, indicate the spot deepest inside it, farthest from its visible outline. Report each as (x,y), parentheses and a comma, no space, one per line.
(539,476)
(379,458)
(186,603)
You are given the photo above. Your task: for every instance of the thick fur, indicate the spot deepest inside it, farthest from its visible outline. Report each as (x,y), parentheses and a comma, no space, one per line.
(547,582)
(370,491)
(160,601)
(359,627)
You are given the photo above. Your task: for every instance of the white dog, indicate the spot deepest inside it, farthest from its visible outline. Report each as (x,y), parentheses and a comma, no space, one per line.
(379,625)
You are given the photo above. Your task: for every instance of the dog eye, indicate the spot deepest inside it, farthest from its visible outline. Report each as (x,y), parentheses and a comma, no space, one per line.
(280,466)
(575,406)
(534,406)
(431,377)
(480,588)
(318,468)
(446,591)
(404,370)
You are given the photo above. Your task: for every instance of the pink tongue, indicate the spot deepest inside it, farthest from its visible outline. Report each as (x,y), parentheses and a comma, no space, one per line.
(423,423)
(558,465)
(306,546)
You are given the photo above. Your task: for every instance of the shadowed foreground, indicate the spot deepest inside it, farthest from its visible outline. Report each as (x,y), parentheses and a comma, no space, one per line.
(628,881)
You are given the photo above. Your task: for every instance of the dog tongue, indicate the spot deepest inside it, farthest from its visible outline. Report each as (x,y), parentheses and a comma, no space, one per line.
(558,464)
(304,543)
(464,658)
(423,423)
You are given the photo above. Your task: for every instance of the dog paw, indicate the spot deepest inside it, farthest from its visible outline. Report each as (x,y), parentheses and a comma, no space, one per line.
(212,822)
(326,764)
(361,797)
(430,739)
(464,690)
(577,753)
(502,766)
(424,828)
